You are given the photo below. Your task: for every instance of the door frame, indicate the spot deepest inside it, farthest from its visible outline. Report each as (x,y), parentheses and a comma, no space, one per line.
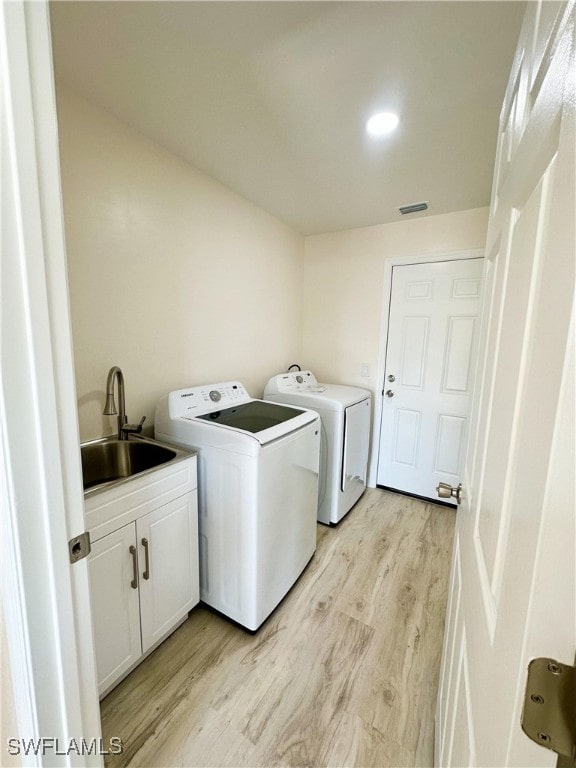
(45,600)
(389,264)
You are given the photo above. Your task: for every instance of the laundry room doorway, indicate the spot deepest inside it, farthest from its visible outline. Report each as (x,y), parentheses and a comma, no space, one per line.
(431,339)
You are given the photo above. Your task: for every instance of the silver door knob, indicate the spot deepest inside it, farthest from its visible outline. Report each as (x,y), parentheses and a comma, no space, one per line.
(446,491)
(391,378)
(389,393)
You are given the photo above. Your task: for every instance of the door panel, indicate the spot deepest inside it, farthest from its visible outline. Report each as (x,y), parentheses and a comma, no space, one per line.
(510,375)
(449,444)
(432,343)
(449,667)
(466,288)
(462,750)
(419,290)
(458,355)
(514,583)
(406,437)
(414,349)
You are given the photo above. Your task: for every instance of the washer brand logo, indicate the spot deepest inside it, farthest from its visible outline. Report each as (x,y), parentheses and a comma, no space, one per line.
(187,394)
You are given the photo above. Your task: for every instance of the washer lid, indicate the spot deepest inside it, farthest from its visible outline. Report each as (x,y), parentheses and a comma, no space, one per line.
(227,407)
(256,420)
(254,416)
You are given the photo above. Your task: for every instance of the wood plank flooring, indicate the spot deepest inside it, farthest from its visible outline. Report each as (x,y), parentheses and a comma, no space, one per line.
(344,673)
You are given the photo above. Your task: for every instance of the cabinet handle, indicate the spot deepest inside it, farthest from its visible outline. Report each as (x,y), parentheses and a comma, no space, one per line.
(134,582)
(146,574)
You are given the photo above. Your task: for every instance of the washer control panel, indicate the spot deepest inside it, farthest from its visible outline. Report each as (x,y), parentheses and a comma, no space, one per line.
(294,381)
(188,403)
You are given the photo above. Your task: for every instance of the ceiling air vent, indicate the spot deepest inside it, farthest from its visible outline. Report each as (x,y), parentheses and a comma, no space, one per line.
(413,208)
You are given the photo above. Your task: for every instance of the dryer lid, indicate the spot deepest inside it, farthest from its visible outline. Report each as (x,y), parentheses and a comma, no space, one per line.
(303,389)
(292,382)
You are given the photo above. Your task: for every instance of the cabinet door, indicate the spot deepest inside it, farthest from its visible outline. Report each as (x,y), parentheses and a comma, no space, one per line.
(168,557)
(115,606)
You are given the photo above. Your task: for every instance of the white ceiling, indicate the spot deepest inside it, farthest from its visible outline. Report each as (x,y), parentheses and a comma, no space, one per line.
(270,98)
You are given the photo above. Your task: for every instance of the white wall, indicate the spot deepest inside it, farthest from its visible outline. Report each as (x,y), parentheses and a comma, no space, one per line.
(172,276)
(343,287)
(8,725)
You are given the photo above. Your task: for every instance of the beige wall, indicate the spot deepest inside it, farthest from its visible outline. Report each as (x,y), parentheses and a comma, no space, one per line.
(181,282)
(172,276)
(343,287)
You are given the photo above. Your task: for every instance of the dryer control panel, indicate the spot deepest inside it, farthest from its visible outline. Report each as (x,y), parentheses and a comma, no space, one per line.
(187,403)
(294,381)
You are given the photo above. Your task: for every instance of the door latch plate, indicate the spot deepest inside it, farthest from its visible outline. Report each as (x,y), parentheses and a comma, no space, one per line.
(549,714)
(79,547)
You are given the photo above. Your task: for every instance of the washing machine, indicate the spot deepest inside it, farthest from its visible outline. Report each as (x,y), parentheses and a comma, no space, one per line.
(345,415)
(258,469)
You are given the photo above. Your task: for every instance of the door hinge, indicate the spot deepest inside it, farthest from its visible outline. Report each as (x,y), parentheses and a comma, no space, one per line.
(549,714)
(79,547)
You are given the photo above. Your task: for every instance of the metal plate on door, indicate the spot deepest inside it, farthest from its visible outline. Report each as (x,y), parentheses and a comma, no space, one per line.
(79,547)
(549,715)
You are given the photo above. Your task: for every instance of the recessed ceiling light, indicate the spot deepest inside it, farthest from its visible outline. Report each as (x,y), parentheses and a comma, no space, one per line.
(382,123)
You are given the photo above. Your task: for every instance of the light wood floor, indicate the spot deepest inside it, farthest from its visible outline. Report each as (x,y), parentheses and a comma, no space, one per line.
(344,673)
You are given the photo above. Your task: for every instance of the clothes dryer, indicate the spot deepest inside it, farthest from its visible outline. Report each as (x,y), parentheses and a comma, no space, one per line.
(257,493)
(345,415)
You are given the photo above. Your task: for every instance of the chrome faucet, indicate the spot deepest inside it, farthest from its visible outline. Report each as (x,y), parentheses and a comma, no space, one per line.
(124,429)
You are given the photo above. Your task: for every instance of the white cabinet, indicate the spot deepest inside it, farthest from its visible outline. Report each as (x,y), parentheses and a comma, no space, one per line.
(144,578)
(115,606)
(168,559)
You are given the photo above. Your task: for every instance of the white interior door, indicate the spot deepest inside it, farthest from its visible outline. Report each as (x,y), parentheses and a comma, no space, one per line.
(45,599)
(512,594)
(433,333)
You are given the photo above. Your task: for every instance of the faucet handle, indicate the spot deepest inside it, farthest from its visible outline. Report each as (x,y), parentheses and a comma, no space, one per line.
(134,429)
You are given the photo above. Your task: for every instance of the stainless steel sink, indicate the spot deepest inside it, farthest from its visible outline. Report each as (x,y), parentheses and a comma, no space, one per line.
(111,460)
